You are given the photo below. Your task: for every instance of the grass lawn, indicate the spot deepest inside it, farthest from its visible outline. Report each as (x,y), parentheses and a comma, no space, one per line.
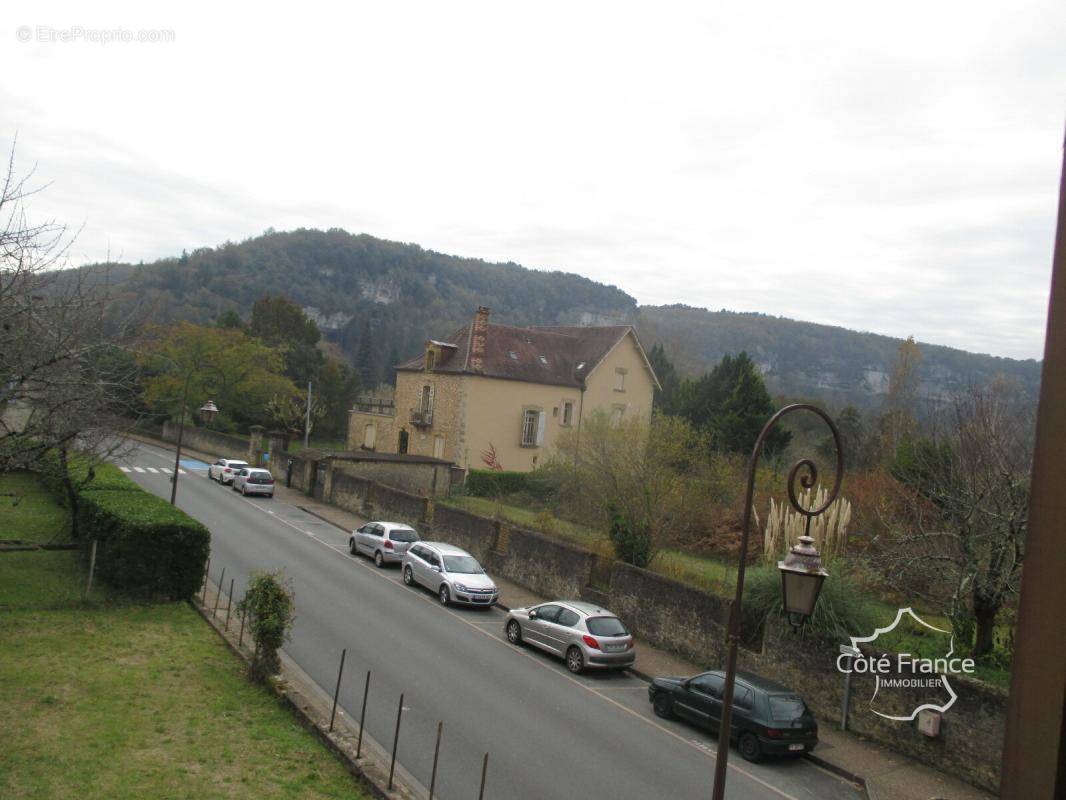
(111,699)
(37,517)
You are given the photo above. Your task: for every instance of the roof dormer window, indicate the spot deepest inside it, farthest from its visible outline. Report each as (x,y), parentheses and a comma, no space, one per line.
(511,354)
(431,358)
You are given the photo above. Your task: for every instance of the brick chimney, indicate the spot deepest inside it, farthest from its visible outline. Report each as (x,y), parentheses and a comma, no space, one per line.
(478,331)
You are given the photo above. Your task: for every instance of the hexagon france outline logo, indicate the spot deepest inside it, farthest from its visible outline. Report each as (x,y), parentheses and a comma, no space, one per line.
(877,666)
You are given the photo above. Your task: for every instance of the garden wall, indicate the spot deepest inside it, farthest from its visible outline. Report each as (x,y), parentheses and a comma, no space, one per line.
(220,444)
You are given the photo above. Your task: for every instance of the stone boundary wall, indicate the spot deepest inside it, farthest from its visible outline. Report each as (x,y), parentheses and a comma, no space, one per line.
(221,444)
(970,743)
(679,618)
(541,564)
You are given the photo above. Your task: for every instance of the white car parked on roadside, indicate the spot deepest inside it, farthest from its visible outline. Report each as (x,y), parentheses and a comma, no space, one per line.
(225,470)
(385,542)
(254,481)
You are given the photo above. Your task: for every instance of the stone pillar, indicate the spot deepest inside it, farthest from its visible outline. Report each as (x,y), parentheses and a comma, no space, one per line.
(255,445)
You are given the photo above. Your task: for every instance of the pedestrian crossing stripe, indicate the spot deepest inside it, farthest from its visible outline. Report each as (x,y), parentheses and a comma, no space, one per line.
(125,469)
(138,469)
(152,469)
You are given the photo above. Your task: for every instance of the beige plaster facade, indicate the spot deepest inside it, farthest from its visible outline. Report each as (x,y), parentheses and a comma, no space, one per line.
(472,419)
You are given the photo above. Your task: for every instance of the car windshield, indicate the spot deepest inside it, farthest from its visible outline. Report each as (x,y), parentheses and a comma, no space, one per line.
(606,626)
(786,707)
(465,565)
(403,535)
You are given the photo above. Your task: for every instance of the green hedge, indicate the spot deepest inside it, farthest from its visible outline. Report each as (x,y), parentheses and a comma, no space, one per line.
(145,546)
(492,483)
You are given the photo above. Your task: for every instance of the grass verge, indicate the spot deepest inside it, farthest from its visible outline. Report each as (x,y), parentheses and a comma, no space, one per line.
(102,698)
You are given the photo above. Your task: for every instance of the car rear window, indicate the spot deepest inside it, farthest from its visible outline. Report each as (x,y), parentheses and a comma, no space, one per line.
(786,706)
(403,535)
(261,477)
(606,626)
(238,464)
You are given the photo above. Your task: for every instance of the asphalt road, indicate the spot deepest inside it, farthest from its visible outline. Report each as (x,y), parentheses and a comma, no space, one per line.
(549,734)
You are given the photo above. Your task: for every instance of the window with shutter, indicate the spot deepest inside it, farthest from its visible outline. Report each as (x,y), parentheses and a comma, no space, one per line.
(541,421)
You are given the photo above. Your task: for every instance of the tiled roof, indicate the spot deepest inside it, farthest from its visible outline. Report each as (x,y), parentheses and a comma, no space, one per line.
(560,355)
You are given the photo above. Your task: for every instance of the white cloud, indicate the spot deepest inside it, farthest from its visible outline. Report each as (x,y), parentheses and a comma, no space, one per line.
(889,168)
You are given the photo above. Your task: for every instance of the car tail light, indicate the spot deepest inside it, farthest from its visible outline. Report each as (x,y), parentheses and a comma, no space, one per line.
(270,481)
(591,642)
(629,645)
(388,545)
(773,733)
(227,469)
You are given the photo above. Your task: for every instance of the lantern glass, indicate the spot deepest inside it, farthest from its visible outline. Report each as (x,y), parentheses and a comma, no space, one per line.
(208,411)
(800,591)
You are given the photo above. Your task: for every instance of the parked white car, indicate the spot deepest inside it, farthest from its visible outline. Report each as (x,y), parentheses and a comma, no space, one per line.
(225,470)
(385,542)
(254,481)
(454,574)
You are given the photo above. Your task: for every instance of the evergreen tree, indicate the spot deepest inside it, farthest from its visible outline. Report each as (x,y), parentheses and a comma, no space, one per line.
(364,357)
(281,323)
(732,404)
(668,398)
(229,319)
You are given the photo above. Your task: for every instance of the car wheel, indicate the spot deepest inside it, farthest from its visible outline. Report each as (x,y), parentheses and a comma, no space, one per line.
(575,662)
(270,496)
(749,748)
(408,576)
(663,705)
(444,595)
(379,560)
(514,632)
(351,547)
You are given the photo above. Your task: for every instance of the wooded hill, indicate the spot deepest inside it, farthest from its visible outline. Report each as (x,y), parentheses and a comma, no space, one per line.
(379,300)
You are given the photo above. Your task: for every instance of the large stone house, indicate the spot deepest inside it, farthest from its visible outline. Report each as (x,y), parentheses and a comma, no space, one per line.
(501,395)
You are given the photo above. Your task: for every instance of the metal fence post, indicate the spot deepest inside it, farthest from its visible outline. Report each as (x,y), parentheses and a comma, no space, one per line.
(244,613)
(337,691)
(207,574)
(229,603)
(395,742)
(484,769)
(218,594)
(436,753)
(362,717)
(92,569)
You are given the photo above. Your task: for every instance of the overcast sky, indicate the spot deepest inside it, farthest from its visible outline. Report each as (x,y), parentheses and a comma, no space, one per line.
(886,167)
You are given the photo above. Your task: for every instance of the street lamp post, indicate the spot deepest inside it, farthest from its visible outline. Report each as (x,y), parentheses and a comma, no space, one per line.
(802,574)
(208,411)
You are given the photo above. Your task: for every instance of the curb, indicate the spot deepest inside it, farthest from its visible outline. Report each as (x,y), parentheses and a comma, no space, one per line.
(839,771)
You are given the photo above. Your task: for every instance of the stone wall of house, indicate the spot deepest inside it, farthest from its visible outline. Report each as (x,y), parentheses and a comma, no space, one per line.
(448,414)
(383,438)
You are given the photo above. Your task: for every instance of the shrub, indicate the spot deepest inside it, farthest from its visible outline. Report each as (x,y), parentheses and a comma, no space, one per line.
(144,545)
(493,483)
(842,610)
(268,608)
(631,540)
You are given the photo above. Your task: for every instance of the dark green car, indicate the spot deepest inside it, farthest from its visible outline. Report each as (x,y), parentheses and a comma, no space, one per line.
(768,718)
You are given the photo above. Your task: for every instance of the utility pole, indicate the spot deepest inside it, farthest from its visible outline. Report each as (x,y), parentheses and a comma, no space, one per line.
(307,422)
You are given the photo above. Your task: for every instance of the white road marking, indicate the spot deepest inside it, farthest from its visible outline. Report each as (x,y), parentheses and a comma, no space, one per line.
(182,472)
(152,470)
(138,469)
(165,470)
(125,469)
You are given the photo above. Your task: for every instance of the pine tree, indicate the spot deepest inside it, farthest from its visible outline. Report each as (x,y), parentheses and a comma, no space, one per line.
(667,399)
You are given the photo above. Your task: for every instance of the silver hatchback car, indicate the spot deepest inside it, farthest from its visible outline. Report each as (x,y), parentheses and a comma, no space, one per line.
(454,574)
(583,634)
(385,542)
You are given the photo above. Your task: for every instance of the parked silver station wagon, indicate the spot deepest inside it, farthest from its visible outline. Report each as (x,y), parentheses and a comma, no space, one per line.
(385,542)
(583,634)
(454,574)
